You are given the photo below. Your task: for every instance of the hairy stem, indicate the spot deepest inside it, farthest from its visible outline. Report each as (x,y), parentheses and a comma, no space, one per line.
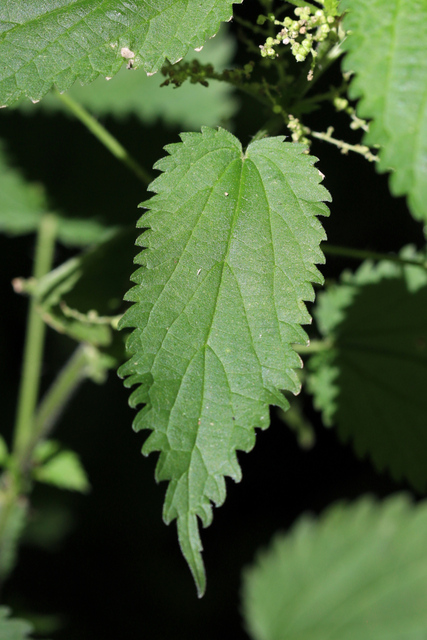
(109,141)
(345,147)
(34,341)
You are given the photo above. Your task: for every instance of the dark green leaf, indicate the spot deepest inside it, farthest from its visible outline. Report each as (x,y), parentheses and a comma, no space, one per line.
(190,106)
(57,42)
(232,243)
(385,50)
(371,380)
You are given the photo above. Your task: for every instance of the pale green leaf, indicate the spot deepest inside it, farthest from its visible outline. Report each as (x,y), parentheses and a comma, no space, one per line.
(386,51)
(370,381)
(357,573)
(12,628)
(64,470)
(22,204)
(331,7)
(190,106)
(57,42)
(232,243)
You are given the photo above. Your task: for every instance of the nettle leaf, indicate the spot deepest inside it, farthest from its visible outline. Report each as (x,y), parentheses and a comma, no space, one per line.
(232,242)
(57,42)
(189,107)
(359,573)
(391,79)
(370,382)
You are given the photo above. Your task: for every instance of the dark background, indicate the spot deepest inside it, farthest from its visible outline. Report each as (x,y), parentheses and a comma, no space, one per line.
(105,566)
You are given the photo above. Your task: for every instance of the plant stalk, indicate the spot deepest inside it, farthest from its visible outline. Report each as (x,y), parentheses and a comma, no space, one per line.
(361,254)
(105,137)
(56,399)
(34,341)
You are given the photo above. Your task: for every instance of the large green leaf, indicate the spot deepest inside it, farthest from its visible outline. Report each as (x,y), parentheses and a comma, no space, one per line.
(190,106)
(371,380)
(57,42)
(386,50)
(358,573)
(219,301)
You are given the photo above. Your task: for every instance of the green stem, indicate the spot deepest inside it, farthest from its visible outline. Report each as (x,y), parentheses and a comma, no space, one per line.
(104,137)
(56,398)
(345,147)
(34,341)
(361,254)
(314,347)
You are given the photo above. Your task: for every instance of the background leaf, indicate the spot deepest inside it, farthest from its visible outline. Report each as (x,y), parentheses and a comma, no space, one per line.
(83,297)
(65,471)
(11,628)
(219,300)
(359,573)
(391,81)
(370,382)
(60,41)
(22,204)
(190,106)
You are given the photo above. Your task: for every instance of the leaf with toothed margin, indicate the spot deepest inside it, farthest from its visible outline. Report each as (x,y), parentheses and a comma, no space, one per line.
(385,50)
(370,381)
(358,572)
(56,42)
(230,255)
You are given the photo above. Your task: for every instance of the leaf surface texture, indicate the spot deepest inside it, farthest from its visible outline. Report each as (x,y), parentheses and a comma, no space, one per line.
(189,107)
(57,42)
(371,382)
(357,573)
(386,51)
(232,241)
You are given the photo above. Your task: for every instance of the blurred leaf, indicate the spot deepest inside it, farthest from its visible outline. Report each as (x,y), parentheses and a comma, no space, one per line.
(22,204)
(65,471)
(83,297)
(189,106)
(297,422)
(371,381)
(43,44)
(4,451)
(332,7)
(357,573)
(45,450)
(11,628)
(386,50)
(48,525)
(14,525)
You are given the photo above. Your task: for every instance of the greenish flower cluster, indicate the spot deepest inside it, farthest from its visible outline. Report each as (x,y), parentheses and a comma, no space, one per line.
(301,34)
